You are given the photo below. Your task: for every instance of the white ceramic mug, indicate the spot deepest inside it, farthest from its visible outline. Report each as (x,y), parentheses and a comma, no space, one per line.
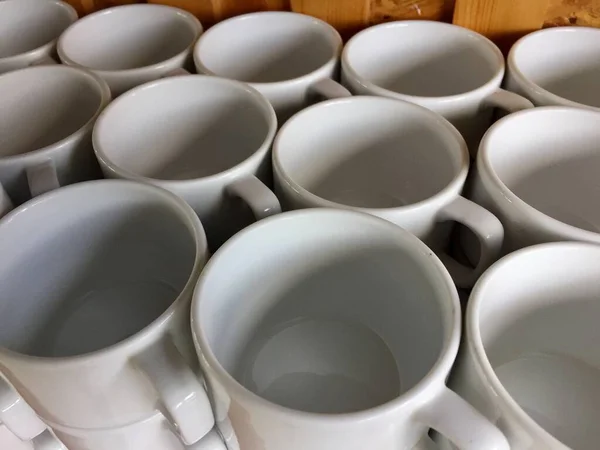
(131,44)
(331,329)
(204,138)
(557,67)
(20,427)
(537,171)
(530,361)
(153,433)
(97,278)
(29,30)
(446,68)
(46,119)
(288,57)
(390,158)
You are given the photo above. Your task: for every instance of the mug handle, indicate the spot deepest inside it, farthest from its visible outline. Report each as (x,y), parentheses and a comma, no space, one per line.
(180,390)
(485,226)
(507,101)
(463,425)
(256,195)
(326,89)
(44,61)
(22,421)
(41,178)
(212,441)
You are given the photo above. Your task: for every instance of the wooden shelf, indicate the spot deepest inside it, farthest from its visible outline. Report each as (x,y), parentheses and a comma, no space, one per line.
(504,21)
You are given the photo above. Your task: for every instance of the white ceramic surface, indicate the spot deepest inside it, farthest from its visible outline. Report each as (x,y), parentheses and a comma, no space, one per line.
(20,426)
(557,67)
(154,433)
(537,171)
(29,30)
(531,361)
(97,281)
(46,119)
(330,329)
(446,68)
(131,44)
(286,56)
(389,158)
(204,138)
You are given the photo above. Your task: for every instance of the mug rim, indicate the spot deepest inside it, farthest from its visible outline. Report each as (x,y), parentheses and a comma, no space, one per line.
(487,171)
(458,179)
(230,172)
(436,374)
(493,83)
(530,85)
(339,44)
(48,45)
(48,150)
(192,20)
(473,340)
(128,345)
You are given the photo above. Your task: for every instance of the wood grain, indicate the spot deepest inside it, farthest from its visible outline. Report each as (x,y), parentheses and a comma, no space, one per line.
(84,7)
(387,10)
(573,12)
(348,16)
(503,21)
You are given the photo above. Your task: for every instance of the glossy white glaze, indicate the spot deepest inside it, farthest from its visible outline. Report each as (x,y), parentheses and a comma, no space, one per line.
(46,119)
(530,360)
(95,307)
(29,30)
(448,69)
(129,45)
(557,67)
(320,296)
(389,158)
(280,54)
(204,138)
(537,171)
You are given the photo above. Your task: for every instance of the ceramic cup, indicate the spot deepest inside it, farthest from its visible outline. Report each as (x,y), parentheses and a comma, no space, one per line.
(331,329)
(530,360)
(537,171)
(288,57)
(204,138)
(29,30)
(389,158)
(153,433)
(557,67)
(94,333)
(20,427)
(130,44)
(46,119)
(446,68)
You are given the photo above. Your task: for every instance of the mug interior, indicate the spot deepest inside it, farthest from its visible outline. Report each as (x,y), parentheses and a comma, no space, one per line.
(26,25)
(128,37)
(536,318)
(204,126)
(315,324)
(267,47)
(423,59)
(369,152)
(91,265)
(43,105)
(565,62)
(549,159)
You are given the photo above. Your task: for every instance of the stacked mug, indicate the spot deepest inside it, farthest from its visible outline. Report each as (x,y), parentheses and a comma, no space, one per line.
(335,324)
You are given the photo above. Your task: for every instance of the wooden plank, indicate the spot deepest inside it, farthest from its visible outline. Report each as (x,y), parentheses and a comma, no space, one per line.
(388,10)
(348,16)
(573,12)
(503,21)
(84,7)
